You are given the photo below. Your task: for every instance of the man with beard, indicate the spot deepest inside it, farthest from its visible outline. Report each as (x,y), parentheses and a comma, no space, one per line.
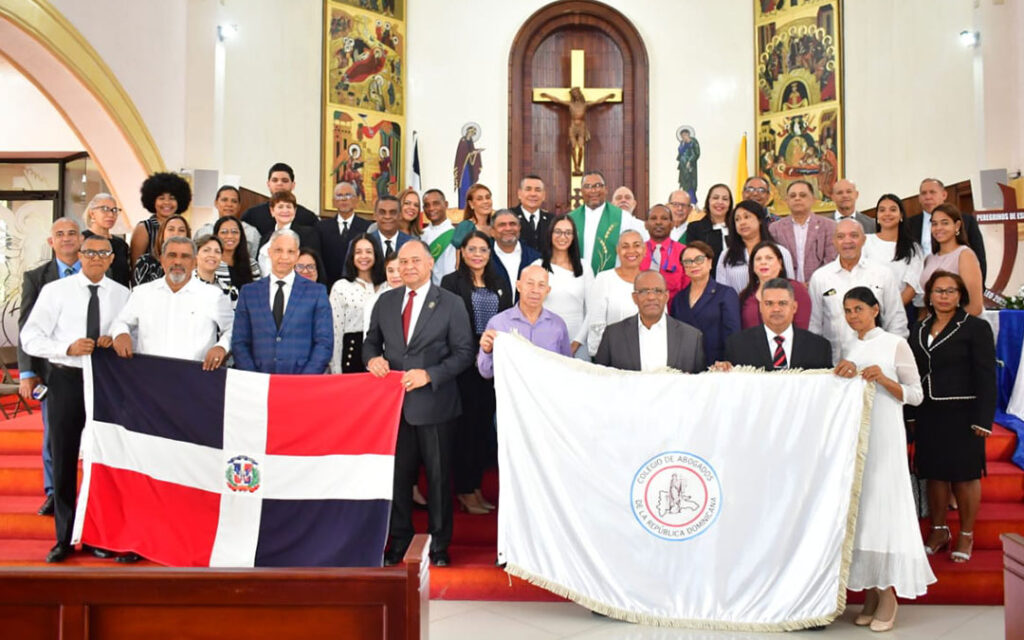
(177,316)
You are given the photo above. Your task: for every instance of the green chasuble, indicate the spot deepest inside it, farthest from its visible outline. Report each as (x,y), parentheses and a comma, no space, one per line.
(608,228)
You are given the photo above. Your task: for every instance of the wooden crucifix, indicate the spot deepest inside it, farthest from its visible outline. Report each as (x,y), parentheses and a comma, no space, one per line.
(578,98)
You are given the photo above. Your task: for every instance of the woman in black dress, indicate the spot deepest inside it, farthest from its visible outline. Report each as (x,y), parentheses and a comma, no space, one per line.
(485,295)
(100,217)
(956,357)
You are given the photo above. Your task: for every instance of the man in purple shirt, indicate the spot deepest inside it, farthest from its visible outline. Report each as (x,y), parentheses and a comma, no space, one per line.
(528,318)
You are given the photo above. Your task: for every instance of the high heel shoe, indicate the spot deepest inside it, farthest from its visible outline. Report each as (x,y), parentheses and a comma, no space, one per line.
(867,614)
(932,549)
(467,502)
(483,501)
(963,556)
(885,625)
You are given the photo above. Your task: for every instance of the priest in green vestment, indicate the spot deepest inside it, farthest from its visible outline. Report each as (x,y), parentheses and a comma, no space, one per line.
(599,223)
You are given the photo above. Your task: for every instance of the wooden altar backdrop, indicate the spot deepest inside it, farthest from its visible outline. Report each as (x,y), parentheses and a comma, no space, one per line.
(615,57)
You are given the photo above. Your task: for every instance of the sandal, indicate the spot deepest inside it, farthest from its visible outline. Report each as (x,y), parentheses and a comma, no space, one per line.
(932,549)
(963,556)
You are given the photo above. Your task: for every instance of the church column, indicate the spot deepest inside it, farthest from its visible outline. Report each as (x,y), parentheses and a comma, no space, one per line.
(999,84)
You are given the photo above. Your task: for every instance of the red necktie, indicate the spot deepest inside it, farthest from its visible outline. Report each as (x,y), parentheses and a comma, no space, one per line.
(407,315)
(779,358)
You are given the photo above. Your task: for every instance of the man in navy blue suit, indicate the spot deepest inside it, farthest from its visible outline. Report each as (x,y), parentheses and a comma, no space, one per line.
(387,235)
(512,255)
(283,322)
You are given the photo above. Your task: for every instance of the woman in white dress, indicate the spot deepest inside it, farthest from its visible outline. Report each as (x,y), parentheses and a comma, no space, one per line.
(894,246)
(610,298)
(888,559)
(363,273)
(569,280)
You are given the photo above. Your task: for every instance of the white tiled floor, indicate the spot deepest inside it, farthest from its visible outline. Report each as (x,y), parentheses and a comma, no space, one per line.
(463,620)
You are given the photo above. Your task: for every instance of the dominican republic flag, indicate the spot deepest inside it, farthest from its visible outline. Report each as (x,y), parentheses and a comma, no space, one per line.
(414,178)
(232,468)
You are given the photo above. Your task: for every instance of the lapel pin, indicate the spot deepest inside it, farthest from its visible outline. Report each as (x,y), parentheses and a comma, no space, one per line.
(431,304)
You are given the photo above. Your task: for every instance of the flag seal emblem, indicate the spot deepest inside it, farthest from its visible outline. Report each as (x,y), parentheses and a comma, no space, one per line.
(676,495)
(243,474)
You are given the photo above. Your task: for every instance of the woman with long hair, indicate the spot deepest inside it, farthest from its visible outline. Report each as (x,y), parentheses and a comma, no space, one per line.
(713,228)
(888,559)
(147,267)
(569,279)
(485,295)
(363,273)
(479,208)
(893,245)
(748,227)
(952,253)
(410,212)
(237,268)
(767,262)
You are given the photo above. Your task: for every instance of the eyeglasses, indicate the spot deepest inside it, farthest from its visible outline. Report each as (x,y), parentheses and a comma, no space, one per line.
(695,261)
(650,292)
(106,209)
(92,254)
(945,292)
(565,233)
(754,190)
(590,187)
(305,268)
(477,250)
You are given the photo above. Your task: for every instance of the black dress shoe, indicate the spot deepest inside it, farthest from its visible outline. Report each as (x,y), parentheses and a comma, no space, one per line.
(47,508)
(440,559)
(59,553)
(128,558)
(391,559)
(98,552)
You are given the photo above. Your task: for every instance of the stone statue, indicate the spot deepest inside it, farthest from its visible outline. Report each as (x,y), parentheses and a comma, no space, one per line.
(578,133)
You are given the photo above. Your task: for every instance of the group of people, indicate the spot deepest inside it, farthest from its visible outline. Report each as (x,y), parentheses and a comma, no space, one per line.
(278,289)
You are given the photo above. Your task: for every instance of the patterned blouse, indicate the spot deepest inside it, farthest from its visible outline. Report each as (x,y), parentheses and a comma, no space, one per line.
(147,269)
(348,299)
(485,307)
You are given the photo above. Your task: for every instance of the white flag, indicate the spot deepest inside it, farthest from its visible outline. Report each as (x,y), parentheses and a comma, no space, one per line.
(719,501)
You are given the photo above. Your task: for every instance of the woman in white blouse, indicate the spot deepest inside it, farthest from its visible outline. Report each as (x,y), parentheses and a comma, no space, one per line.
(894,246)
(363,273)
(569,280)
(610,298)
(393,280)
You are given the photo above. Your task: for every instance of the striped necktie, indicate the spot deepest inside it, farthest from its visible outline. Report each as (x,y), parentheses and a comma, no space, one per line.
(779,359)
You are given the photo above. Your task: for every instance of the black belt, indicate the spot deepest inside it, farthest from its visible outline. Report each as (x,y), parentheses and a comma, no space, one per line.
(65,367)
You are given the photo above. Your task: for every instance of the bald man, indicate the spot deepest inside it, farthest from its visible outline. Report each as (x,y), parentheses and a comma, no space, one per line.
(845,194)
(527,318)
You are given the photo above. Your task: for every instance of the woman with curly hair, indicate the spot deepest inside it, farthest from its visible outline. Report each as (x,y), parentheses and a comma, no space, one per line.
(163,195)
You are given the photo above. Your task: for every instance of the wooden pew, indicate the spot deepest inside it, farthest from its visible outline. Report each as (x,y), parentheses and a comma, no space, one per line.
(75,603)
(1013,584)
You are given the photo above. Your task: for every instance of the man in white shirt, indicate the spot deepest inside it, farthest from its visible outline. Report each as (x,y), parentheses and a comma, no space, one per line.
(600,223)
(438,234)
(844,194)
(177,316)
(512,255)
(831,282)
(681,206)
(624,199)
(651,339)
(931,194)
(70,319)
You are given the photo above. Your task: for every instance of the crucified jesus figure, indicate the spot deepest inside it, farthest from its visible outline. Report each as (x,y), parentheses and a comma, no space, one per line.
(578,133)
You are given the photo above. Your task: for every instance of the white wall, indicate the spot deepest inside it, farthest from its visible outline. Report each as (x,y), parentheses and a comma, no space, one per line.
(28,121)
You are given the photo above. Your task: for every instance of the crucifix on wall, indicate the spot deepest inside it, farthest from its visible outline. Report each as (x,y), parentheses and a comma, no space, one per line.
(577,97)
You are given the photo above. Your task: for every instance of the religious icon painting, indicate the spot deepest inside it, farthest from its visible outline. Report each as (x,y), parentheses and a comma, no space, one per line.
(388,8)
(363,152)
(364,60)
(363,108)
(799,93)
(468,163)
(687,154)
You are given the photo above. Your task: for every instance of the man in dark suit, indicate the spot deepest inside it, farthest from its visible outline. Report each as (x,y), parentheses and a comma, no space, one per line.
(777,344)
(533,220)
(337,233)
(289,329)
(279,178)
(424,331)
(651,339)
(931,194)
(510,255)
(65,240)
(387,236)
